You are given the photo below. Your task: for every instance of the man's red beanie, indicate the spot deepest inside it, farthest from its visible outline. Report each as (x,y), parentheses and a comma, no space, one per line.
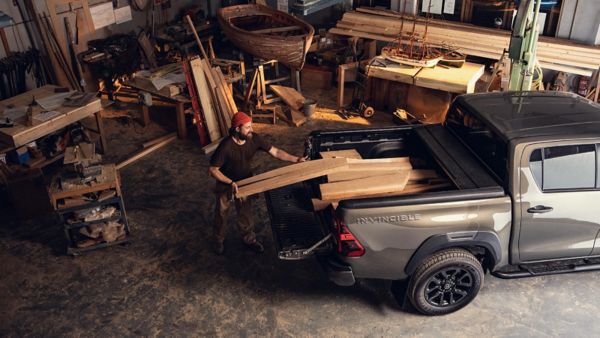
(239,119)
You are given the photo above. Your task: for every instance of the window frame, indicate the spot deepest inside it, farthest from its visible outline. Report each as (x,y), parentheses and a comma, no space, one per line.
(596,168)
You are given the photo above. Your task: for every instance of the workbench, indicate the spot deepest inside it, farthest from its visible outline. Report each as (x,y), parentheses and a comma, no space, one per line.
(454,80)
(21,133)
(178,102)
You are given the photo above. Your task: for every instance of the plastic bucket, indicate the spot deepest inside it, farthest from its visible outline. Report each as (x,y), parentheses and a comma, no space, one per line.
(310,106)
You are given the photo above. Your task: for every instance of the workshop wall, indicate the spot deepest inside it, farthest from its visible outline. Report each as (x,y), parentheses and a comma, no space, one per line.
(16,35)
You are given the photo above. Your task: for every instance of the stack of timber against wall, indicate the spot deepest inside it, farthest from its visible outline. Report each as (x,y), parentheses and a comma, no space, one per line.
(553,53)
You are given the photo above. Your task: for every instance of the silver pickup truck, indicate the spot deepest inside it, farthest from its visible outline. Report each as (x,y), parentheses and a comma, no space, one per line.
(525,173)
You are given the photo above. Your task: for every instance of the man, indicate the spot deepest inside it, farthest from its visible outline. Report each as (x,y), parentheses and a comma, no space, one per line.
(231,163)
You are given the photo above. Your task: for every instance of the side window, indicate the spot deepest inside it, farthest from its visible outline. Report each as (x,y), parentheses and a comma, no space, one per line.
(564,167)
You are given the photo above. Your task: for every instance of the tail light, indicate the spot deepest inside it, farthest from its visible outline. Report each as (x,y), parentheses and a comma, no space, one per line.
(347,244)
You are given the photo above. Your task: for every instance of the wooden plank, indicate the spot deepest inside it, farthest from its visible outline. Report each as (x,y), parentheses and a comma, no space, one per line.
(222,115)
(157,140)
(553,53)
(145,152)
(365,186)
(341,81)
(298,118)
(354,175)
(319,204)
(290,96)
(297,173)
(415,175)
(227,90)
(348,153)
(308,165)
(212,123)
(210,148)
(223,90)
(399,160)
(454,80)
(193,28)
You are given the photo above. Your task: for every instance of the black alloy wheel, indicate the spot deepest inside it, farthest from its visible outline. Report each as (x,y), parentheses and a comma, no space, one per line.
(445,282)
(449,286)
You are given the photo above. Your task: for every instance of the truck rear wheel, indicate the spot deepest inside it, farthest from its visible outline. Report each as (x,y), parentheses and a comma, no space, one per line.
(445,282)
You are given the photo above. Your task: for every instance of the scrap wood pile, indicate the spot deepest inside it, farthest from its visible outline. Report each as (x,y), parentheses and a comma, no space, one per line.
(384,25)
(212,100)
(348,176)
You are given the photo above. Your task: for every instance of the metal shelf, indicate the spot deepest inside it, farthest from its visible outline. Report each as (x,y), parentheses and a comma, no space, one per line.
(82,224)
(111,200)
(78,251)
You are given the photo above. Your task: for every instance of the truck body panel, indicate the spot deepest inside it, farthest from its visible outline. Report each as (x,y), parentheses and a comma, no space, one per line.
(525,174)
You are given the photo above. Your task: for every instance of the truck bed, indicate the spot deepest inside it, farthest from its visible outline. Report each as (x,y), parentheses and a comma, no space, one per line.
(296,227)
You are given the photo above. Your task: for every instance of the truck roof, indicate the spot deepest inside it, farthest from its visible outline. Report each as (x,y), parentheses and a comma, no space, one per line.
(531,114)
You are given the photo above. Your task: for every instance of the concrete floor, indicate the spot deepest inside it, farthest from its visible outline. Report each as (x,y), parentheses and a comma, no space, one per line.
(169,283)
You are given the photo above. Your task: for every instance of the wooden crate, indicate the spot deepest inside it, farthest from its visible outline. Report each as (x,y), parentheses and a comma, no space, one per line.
(316,77)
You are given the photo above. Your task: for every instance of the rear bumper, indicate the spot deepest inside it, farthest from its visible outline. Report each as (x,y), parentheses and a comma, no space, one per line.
(338,272)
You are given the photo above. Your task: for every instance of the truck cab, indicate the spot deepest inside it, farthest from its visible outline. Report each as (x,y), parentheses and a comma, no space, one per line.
(524,175)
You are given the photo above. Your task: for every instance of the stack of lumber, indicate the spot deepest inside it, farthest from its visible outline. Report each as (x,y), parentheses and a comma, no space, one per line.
(289,175)
(374,178)
(384,25)
(295,102)
(216,99)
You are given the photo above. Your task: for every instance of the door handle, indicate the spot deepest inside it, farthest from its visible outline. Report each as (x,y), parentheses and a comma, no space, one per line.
(539,209)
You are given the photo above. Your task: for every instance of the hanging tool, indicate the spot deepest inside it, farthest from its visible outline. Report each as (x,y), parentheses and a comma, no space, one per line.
(523,43)
(75,65)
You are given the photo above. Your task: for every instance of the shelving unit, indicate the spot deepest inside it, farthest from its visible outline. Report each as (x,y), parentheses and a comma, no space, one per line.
(108,181)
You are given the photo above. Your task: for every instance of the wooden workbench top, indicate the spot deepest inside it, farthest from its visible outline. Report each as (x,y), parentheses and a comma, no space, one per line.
(21,134)
(454,80)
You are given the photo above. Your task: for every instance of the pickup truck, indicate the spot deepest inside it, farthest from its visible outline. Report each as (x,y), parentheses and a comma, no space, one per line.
(525,180)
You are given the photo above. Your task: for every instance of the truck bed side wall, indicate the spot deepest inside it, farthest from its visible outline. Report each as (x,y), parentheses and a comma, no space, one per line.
(392,234)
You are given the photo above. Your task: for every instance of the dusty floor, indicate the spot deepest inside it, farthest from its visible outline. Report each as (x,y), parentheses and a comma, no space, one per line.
(169,283)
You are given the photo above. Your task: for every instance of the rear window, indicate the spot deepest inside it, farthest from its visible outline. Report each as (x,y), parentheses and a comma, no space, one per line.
(565,167)
(484,142)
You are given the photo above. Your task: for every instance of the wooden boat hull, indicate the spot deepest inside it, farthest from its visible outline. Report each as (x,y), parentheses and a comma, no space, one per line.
(267,33)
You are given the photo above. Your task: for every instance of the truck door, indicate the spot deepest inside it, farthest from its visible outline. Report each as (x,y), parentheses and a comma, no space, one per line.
(559,208)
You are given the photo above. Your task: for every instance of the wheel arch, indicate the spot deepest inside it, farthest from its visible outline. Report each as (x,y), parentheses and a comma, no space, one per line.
(472,241)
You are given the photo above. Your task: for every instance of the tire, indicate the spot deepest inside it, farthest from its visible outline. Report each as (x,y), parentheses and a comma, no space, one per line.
(368,112)
(445,282)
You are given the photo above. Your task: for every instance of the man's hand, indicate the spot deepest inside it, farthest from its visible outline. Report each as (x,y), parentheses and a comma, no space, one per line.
(234,188)
(301,159)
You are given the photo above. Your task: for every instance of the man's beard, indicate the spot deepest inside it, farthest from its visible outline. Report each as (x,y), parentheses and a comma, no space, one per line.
(239,136)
